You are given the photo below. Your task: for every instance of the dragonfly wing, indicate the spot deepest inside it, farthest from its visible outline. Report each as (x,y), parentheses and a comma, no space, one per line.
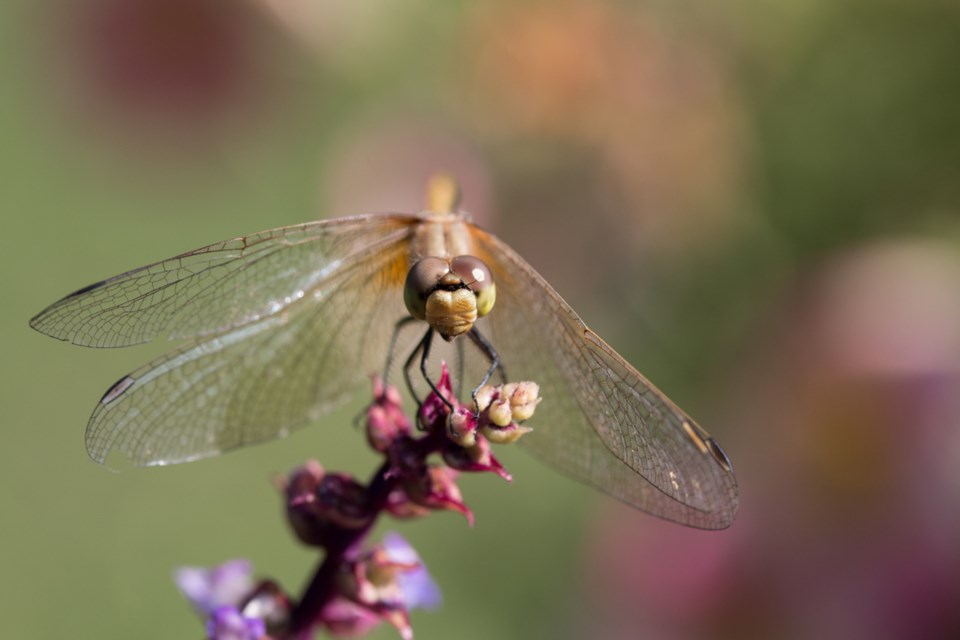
(264,378)
(215,288)
(600,420)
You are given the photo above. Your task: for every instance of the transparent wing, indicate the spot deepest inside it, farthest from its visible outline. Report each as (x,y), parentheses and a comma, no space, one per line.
(267,376)
(600,420)
(214,288)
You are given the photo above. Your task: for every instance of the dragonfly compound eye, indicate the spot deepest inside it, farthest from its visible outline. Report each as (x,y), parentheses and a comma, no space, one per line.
(422,280)
(474,273)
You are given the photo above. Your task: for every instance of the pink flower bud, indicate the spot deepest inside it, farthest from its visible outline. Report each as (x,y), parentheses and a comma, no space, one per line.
(505,435)
(476,458)
(320,506)
(434,411)
(463,427)
(399,505)
(436,489)
(524,400)
(344,618)
(386,420)
(300,492)
(343,501)
(485,396)
(500,413)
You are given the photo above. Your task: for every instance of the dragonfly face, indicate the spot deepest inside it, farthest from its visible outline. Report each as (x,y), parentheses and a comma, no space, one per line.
(449,294)
(282,326)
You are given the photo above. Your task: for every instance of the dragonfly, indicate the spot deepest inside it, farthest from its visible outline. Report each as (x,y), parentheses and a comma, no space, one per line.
(280,327)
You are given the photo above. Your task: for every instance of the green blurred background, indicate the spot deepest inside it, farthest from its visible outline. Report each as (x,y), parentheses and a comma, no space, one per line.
(757,203)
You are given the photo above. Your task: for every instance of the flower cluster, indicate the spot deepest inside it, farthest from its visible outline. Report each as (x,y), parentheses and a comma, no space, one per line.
(359,585)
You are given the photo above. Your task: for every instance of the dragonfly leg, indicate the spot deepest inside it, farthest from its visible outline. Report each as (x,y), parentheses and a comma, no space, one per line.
(406,371)
(391,356)
(424,356)
(487,349)
(392,351)
(461,365)
(422,348)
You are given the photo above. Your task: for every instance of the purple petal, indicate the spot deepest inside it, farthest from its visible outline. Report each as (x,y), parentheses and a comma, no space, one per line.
(208,589)
(419,589)
(227,623)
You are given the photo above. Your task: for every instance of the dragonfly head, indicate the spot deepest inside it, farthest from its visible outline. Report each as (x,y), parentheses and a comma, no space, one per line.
(449,293)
